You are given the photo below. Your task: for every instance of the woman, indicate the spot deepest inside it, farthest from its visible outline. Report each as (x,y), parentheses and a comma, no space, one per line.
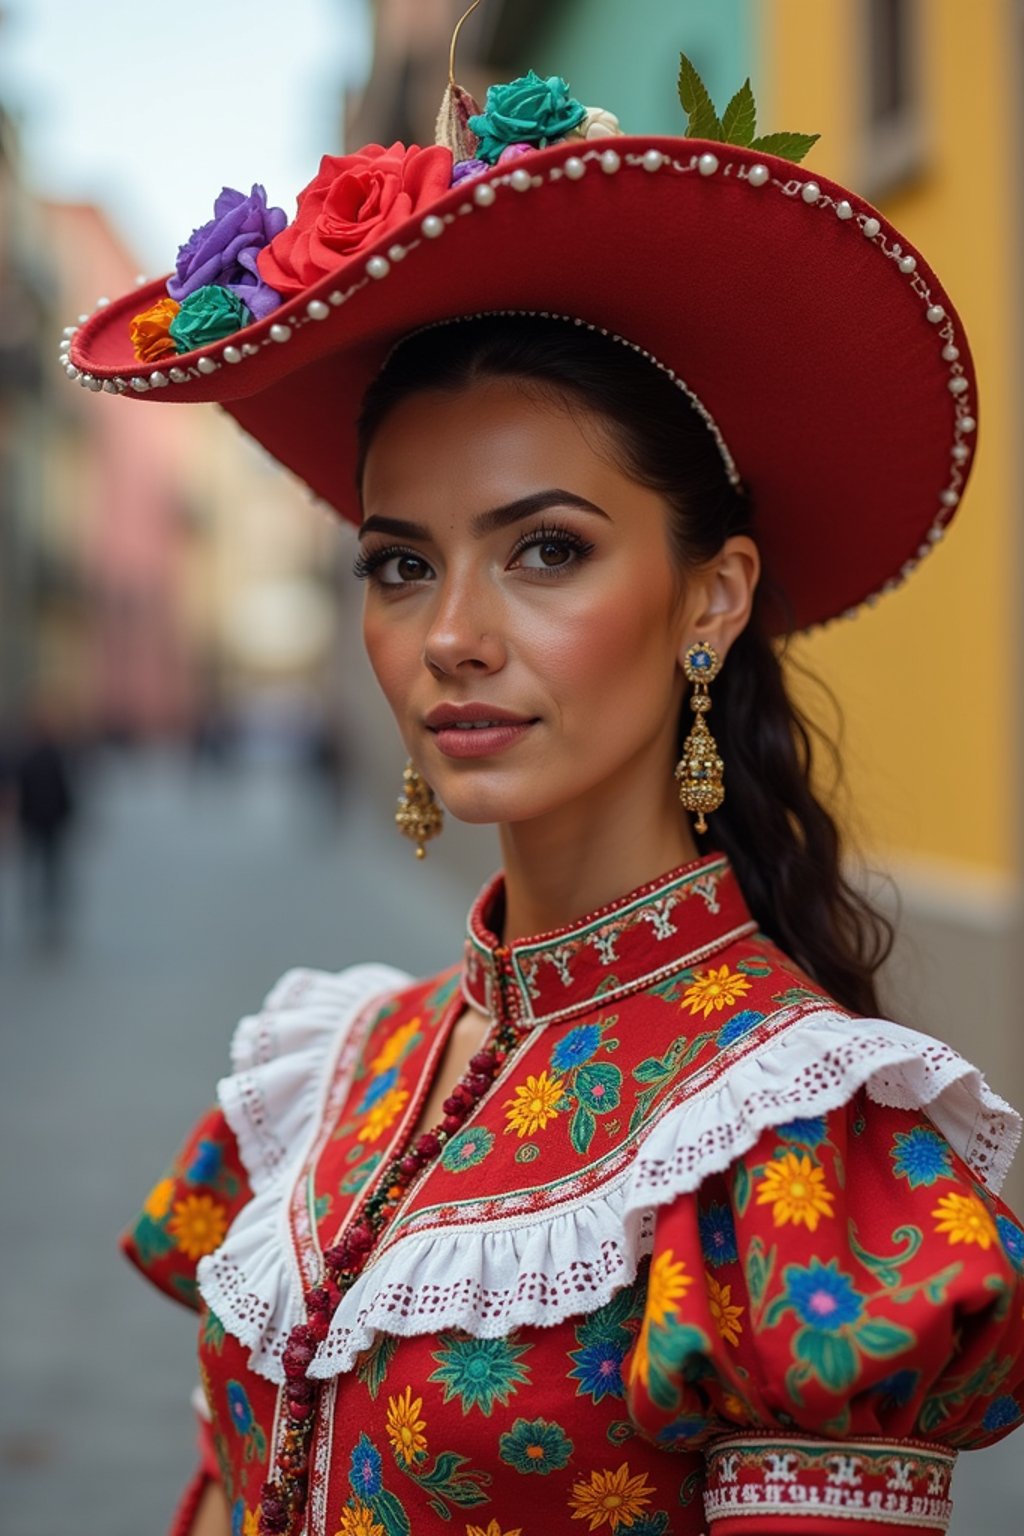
(639,1216)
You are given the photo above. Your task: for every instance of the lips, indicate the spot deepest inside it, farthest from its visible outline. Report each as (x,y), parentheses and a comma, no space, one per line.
(472,717)
(476,730)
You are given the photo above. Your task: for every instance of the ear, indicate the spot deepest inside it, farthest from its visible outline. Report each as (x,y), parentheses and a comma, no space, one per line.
(721,596)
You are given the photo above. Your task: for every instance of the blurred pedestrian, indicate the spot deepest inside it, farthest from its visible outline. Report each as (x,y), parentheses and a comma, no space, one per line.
(45,808)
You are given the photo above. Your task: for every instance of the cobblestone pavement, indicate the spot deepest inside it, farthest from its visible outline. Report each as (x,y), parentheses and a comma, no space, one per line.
(195,893)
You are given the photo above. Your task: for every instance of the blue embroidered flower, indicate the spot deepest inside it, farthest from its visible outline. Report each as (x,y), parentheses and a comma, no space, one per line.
(898,1389)
(535,1445)
(1012,1239)
(739,1025)
(575,1048)
(717,1235)
(1001,1413)
(809,1133)
(206,1163)
(364,1473)
(598,1370)
(920,1156)
(467,1148)
(237,1517)
(822,1295)
(682,1430)
(479,1372)
(238,1407)
(378,1087)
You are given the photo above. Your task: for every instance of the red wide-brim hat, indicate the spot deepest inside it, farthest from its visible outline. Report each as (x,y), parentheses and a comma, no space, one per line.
(819,341)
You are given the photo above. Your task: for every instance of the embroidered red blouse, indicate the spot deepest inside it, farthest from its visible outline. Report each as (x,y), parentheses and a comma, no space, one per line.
(711,1254)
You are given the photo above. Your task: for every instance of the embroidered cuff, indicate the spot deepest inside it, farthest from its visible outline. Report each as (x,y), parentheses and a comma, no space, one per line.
(765,1483)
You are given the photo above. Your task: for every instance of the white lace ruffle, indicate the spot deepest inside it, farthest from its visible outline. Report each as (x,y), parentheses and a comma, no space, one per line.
(283,1059)
(489,1277)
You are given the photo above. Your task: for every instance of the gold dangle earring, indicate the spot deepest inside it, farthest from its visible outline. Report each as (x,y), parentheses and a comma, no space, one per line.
(419,816)
(700,770)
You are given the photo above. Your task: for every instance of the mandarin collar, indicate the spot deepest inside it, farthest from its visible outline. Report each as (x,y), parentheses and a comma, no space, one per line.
(676,921)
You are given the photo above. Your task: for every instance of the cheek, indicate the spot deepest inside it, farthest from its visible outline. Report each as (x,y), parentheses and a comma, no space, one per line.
(604,649)
(393,652)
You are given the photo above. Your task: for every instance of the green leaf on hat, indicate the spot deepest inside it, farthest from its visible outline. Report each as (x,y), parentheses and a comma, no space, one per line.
(739,120)
(697,104)
(788,146)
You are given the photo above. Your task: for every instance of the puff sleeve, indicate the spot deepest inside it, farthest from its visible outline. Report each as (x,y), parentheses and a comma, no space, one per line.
(831,1320)
(189,1211)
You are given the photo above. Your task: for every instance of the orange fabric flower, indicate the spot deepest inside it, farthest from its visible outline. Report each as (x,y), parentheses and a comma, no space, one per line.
(150,331)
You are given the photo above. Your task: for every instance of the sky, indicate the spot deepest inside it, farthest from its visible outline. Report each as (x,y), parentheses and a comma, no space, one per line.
(150,107)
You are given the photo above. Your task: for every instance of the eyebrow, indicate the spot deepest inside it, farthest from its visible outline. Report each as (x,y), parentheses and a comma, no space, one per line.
(488,522)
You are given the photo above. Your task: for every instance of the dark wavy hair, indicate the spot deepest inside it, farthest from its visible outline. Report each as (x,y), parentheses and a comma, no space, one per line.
(781,840)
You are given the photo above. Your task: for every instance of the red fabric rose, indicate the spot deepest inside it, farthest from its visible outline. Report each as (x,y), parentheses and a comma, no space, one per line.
(348,206)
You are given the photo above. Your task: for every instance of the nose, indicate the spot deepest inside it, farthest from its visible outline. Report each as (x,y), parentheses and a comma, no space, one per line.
(464,635)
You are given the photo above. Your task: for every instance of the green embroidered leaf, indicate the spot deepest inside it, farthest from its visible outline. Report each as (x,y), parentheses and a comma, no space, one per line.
(187,1288)
(448,1484)
(600,1085)
(795,1378)
(619,1431)
(788,146)
(739,120)
(1004,1294)
(697,104)
(653,1069)
(759,1268)
(607,984)
(608,1324)
(830,1356)
(213,1332)
(691,1487)
(581,1130)
(151,1239)
(373,1367)
(887,1267)
(390,1514)
(741,1190)
(759,968)
(936,1288)
(322,1208)
(358,1177)
(881,1339)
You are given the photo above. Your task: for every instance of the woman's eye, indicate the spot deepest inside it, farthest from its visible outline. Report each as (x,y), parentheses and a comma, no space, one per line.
(397,569)
(550,553)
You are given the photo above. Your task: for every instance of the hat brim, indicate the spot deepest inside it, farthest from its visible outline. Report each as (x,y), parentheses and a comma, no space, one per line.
(818,339)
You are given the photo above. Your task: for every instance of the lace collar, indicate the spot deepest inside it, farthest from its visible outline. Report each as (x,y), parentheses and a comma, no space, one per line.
(681,919)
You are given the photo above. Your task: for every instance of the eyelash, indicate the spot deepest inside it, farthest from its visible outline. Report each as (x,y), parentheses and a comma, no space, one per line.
(368,563)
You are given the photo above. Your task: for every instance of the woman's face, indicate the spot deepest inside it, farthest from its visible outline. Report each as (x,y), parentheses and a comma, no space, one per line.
(524,614)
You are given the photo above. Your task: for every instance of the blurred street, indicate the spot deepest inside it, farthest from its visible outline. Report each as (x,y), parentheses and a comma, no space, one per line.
(195,890)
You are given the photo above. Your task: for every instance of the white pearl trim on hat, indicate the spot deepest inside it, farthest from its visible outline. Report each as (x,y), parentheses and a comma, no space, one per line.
(611,162)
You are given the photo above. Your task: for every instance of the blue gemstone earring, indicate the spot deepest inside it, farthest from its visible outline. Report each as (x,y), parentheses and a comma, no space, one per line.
(700,770)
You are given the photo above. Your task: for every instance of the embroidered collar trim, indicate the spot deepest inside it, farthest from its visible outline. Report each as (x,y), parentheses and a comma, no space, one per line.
(681,919)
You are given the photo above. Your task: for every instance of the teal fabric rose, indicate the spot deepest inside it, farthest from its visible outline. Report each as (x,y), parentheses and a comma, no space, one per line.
(525,111)
(206,316)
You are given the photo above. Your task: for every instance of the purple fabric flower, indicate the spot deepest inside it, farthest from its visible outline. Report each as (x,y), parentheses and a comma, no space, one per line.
(465,169)
(224,251)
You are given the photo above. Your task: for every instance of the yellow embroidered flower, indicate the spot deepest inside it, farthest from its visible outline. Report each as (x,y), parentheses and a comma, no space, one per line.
(724,1311)
(734,1408)
(611,1498)
(714,990)
(667,1283)
(357,1520)
(964,1219)
(198,1225)
(393,1049)
(533,1105)
(159,1201)
(250,1523)
(494,1529)
(405,1427)
(384,1113)
(795,1189)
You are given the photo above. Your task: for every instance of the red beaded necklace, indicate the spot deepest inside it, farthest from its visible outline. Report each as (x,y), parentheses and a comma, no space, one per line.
(283,1498)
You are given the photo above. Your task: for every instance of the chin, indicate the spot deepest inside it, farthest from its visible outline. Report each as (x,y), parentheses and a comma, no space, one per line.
(478,806)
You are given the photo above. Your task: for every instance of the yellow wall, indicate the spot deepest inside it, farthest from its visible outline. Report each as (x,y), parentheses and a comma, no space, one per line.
(928,680)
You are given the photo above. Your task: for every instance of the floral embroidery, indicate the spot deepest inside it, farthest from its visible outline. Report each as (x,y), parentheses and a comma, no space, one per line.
(964,1219)
(611,1498)
(722,1308)
(920,1156)
(576,1048)
(493,1529)
(158,1201)
(1013,1242)
(795,1189)
(377,1088)
(383,1114)
(822,1296)
(396,1046)
(668,1283)
(739,1025)
(534,1104)
(467,1148)
(712,990)
(598,1369)
(205,1167)
(1001,1413)
(536,1445)
(480,1372)
(809,1133)
(242,1418)
(717,1235)
(198,1225)
(899,1388)
(364,1473)
(405,1427)
(357,1520)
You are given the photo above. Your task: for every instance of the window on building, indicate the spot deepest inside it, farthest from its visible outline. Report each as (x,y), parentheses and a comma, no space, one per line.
(893,110)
